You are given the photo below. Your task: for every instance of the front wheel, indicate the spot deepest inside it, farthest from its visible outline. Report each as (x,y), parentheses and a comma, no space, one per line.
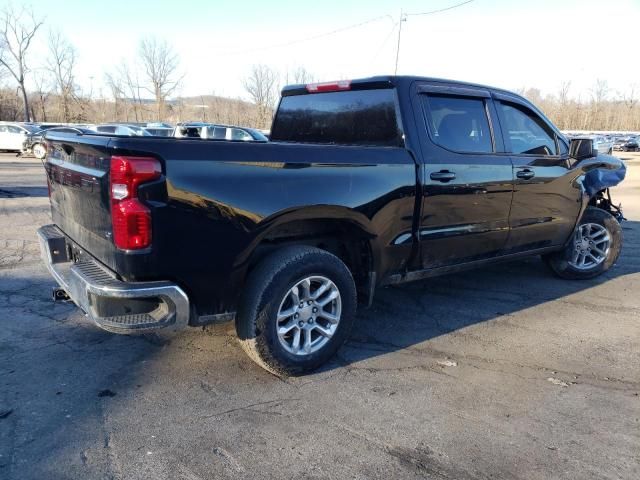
(594,249)
(39,151)
(297,310)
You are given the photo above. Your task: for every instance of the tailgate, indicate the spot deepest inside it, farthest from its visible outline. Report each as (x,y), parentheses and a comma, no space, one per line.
(78,175)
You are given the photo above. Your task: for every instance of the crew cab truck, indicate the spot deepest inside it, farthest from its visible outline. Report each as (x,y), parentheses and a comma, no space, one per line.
(363,183)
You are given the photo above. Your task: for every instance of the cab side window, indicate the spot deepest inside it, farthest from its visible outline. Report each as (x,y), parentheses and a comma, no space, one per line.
(459,124)
(525,132)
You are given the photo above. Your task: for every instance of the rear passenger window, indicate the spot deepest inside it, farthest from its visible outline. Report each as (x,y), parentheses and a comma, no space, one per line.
(459,123)
(525,132)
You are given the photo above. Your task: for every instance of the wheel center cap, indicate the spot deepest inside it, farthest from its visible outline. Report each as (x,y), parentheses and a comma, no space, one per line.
(584,244)
(305,312)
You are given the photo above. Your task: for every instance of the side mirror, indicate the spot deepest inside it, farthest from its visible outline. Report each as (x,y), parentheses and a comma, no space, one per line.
(582,148)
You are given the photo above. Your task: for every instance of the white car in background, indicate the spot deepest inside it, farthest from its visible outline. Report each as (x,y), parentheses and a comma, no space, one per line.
(12,135)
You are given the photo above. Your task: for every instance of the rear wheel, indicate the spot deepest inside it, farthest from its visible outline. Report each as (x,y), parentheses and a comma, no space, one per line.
(39,151)
(297,310)
(594,249)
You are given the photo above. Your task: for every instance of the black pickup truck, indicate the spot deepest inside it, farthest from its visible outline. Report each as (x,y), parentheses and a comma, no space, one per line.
(363,183)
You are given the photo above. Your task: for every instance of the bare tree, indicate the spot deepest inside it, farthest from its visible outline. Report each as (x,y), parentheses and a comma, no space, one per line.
(599,94)
(18,27)
(161,68)
(42,93)
(124,84)
(261,85)
(561,110)
(61,64)
(114,82)
(299,75)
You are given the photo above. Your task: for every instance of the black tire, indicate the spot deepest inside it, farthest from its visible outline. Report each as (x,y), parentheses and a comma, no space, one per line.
(559,261)
(268,285)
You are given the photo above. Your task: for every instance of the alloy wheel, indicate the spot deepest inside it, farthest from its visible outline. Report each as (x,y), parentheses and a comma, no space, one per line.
(309,315)
(590,246)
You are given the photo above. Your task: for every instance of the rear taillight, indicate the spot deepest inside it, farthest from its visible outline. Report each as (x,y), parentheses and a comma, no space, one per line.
(131,219)
(338,86)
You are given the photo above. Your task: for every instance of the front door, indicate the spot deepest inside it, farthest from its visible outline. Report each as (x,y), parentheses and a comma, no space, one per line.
(468,180)
(546,199)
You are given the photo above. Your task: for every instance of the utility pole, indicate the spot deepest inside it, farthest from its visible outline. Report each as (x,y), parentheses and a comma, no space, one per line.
(403,18)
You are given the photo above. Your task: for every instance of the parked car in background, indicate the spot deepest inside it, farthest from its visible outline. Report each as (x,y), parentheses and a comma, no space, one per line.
(618,143)
(603,144)
(218,132)
(631,144)
(12,135)
(34,142)
(124,129)
(159,129)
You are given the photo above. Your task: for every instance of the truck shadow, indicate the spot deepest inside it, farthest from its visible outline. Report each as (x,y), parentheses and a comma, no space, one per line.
(406,315)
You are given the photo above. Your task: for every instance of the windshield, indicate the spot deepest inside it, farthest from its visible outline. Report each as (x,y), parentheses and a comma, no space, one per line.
(258,136)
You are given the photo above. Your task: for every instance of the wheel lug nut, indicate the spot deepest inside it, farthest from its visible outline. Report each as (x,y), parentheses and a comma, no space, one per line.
(315,309)
(296,315)
(310,320)
(301,305)
(309,302)
(300,323)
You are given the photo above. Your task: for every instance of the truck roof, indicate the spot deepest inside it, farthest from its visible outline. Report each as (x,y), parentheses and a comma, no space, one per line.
(389,81)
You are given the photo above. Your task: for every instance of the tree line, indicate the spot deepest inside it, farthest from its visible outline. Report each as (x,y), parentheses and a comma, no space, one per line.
(145,89)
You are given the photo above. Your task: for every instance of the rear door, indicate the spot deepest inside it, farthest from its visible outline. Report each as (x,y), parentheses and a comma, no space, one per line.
(4,137)
(468,180)
(546,200)
(15,137)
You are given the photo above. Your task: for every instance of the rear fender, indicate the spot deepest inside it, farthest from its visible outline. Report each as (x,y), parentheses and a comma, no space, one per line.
(338,214)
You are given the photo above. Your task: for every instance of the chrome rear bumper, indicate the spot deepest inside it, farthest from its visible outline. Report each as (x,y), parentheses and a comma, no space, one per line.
(114,305)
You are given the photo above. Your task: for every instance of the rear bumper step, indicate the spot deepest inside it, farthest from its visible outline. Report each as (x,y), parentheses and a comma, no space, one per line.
(114,305)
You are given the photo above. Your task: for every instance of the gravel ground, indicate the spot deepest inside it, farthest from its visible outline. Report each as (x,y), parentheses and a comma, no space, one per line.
(504,372)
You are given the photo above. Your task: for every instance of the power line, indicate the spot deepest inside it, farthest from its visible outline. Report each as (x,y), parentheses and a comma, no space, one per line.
(314,37)
(439,10)
(403,18)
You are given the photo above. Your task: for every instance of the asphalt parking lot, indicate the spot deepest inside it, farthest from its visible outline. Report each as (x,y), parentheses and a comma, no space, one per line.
(505,372)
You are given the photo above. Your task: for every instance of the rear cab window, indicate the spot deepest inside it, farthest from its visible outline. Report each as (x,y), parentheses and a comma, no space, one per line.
(352,117)
(458,123)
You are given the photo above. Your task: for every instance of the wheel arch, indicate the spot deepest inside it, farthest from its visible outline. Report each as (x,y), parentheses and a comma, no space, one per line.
(339,230)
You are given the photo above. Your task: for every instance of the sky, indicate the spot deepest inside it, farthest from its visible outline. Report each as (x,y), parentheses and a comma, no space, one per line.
(510,44)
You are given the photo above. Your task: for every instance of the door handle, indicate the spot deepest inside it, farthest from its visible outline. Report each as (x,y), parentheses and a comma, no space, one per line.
(443,176)
(526,174)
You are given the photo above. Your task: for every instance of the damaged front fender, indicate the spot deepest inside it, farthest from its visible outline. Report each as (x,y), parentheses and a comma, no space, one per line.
(601,172)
